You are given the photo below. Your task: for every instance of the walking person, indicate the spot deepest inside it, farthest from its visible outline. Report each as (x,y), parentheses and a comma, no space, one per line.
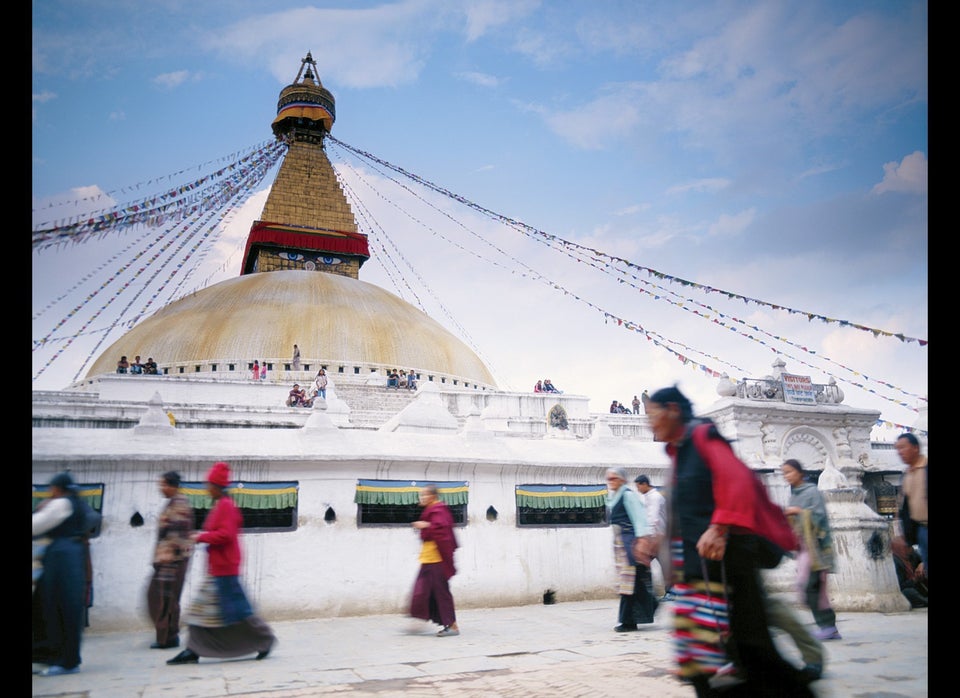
(61,588)
(781,615)
(913,488)
(432,599)
(256,370)
(807,512)
(171,557)
(296,358)
(220,618)
(655,505)
(633,549)
(720,519)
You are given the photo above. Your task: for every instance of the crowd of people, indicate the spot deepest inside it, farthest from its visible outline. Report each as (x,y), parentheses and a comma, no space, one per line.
(617,407)
(546,386)
(711,538)
(402,379)
(220,619)
(137,368)
(258,371)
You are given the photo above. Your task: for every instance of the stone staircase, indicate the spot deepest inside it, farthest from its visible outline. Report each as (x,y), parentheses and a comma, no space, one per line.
(371,406)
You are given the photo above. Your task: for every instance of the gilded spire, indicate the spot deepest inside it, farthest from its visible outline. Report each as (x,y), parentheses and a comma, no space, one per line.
(306,109)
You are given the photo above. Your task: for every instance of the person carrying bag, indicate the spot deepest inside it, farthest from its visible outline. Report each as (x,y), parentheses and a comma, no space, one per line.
(719,513)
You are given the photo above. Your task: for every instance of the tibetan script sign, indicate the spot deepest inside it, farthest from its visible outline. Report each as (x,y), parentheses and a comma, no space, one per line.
(798,389)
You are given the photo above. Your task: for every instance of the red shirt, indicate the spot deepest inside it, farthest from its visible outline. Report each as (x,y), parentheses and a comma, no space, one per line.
(221,533)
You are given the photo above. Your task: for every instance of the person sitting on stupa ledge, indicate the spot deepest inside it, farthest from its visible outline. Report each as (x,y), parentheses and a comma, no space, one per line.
(298,397)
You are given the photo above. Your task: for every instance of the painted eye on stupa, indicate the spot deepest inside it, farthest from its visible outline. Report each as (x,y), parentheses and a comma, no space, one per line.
(292,256)
(329,260)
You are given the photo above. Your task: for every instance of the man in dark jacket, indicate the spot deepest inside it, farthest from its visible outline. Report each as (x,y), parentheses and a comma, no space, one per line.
(720,512)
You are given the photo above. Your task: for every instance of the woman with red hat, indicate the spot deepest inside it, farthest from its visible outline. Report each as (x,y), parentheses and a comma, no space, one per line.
(221,621)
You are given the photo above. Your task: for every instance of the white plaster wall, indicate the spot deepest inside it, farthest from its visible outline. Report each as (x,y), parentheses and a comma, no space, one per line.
(326,569)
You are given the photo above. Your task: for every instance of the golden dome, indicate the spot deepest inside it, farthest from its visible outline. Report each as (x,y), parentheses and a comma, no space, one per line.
(334,320)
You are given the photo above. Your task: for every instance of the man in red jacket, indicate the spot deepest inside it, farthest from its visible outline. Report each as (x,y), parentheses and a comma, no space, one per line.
(721,520)
(432,599)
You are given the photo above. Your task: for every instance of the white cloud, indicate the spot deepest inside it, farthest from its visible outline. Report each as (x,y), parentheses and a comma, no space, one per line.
(909,176)
(728,225)
(818,170)
(481,79)
(172,80)
(41,98)
(595,125)
(78,201)
(484,15)
(632,209)
(381,46)
(711,184)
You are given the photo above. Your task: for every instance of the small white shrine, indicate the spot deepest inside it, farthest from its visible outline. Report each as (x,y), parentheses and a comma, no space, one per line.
(781,416)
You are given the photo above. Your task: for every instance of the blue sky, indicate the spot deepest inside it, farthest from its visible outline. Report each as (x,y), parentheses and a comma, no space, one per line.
(773,150)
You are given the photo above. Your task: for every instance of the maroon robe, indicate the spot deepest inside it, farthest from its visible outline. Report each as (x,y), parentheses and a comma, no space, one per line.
(440,531)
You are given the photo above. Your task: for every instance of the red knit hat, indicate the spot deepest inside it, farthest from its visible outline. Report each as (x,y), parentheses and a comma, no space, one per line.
(219,474)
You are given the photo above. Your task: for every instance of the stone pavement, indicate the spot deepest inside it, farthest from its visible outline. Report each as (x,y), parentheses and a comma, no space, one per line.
(564,650)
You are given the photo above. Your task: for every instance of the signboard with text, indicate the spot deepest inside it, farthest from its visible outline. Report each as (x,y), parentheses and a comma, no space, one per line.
(798,389)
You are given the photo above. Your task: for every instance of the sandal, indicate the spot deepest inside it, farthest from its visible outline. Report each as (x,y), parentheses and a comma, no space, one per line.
(447,631)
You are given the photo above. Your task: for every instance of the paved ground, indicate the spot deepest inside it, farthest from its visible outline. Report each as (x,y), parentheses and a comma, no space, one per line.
(565,650)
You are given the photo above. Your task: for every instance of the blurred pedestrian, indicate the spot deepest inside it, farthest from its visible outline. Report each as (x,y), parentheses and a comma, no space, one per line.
(633,550)
(720,518)
(656,508)
(912,518)
(220,618)
(432,599)
(807,512)
(171,557)
(62,587)
(781,615)
(912,580)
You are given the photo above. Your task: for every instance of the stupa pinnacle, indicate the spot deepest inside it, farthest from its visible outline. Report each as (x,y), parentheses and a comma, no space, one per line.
(299,284)
(306,222)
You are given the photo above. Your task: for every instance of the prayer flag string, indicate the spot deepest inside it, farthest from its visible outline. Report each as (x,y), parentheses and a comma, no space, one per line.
(653,272)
